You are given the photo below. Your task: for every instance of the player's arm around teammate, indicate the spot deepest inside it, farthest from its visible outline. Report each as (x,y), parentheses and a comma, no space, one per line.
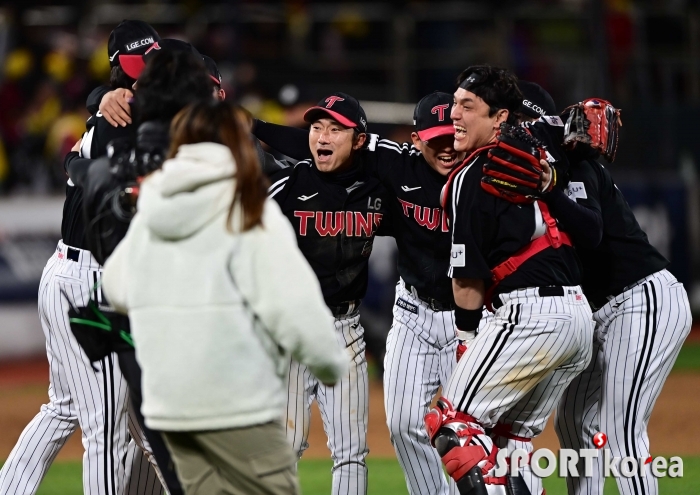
(202,257)
(420,349)
(642,319)
(518,365)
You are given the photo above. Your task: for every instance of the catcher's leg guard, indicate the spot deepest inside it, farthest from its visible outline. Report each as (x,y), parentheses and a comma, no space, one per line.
(466,459)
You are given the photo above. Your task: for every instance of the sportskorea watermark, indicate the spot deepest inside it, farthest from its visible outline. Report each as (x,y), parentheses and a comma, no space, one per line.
(567,463)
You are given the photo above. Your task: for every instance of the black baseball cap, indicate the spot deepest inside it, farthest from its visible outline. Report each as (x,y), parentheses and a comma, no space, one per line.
(129,41)
(136,66)
(536,101)
(431,116)
(212,69)
(341,107)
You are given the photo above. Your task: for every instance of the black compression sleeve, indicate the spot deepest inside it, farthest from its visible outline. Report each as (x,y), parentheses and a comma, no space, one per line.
(584,225)
(95,97)
(76,167)
(290,141)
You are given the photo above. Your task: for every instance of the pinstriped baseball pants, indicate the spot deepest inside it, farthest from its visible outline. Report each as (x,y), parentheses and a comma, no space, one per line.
(92,397)
(420,357)
(638,336)
(520,363)
(344,410)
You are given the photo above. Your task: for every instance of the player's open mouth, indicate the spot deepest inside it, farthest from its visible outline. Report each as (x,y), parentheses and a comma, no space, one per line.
(460,132)
(447,161)
(324,155)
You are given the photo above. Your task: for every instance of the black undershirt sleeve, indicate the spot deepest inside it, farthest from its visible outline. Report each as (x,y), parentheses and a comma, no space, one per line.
(584,224)
(290,141)
(95,97)
(76,167)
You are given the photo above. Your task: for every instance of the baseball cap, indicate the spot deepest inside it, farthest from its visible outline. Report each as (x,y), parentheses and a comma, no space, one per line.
(128,41)
(536,101)
(341,107)
(136,65)
(212,69)
(431,116)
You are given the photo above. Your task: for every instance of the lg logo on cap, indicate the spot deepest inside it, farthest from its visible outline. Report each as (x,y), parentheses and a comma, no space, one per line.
(332,99)
(440,111)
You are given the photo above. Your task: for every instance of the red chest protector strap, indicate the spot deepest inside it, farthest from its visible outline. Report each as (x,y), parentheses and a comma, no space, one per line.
(446,188)
(552,238)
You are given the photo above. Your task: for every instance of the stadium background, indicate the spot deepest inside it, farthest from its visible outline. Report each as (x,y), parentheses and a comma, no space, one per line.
(278,58)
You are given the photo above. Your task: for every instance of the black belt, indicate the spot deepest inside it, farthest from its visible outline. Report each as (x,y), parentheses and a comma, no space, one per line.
(546,291)
(434,304)
(343,308)
(73,254)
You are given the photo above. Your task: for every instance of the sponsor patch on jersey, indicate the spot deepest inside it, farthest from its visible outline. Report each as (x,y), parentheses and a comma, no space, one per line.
(403,304)
(576,190)
(457,258)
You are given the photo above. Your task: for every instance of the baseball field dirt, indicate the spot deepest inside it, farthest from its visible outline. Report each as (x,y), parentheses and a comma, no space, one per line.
(23,389)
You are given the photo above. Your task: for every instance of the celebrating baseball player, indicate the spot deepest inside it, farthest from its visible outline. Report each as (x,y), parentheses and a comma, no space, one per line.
(507,253)
(92,396)
(642,315)
(421,346)
(336,210)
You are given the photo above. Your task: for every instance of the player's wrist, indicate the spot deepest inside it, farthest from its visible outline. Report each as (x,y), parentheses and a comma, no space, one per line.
(467,320)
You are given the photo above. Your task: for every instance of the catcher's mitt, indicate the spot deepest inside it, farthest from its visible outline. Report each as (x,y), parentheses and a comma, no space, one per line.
(594,122)
(513,171)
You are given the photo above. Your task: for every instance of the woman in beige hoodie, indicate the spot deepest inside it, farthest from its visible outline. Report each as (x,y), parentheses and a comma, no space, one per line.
(219,297)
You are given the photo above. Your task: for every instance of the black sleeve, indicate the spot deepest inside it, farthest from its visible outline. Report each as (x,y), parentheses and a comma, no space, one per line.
(578,209)
(290,141)
(381,156)
(104,133)
(269,164)
(76,167)
(469,237)
(585,224)
(94,98)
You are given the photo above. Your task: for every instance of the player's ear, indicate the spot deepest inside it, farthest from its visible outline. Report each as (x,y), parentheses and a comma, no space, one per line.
(359,141)
(417,141)
(501,116)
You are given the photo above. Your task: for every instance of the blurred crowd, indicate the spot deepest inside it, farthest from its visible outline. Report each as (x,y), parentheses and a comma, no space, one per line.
(277,57)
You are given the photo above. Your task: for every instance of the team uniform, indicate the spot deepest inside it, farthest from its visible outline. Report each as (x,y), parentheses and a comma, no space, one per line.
(335,216)
(92,396)
(539,338)
(642,320)
(421,345)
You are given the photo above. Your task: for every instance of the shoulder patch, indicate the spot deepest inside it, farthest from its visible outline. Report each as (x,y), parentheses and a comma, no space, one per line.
(576,190)
(457,257)
(553,120)
(405,305)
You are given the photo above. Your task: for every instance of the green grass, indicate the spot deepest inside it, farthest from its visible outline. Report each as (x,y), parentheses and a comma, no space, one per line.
(689,358)
(385,478)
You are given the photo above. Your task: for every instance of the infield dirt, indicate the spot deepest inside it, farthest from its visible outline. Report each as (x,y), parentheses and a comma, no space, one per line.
(673,428)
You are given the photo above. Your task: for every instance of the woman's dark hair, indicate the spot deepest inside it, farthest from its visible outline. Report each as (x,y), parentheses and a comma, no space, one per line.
(497,87)
(222,122)
(119,79)
(171,81)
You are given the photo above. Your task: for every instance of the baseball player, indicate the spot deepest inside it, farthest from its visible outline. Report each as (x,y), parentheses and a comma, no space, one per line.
(421,345)
(642,317)
(93,397)
(509,255)
(336,210)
